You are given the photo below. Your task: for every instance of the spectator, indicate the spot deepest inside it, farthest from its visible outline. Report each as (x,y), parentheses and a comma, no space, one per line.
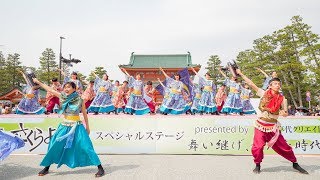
(299,113)
(291,111)
(14,108)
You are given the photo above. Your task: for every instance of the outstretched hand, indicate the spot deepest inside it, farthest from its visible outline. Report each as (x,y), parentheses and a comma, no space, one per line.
(238,71)
(35,80)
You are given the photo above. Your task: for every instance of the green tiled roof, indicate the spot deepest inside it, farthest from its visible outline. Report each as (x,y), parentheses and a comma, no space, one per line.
(42,92)
(155,61)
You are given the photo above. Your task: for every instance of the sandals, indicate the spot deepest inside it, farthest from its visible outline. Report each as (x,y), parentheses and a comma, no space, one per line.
(43,172)
(100,172)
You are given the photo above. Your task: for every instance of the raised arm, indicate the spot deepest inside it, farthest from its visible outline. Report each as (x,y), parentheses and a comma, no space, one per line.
(223,74)
(63,73)
(160,82)
(164,73)
(95,74)
(247,80)
(24,76)
(46,87)
(125,71)
(264,73)
(195,72)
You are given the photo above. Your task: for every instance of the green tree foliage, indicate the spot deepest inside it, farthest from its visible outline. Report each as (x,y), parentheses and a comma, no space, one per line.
(100,71)
(82,78)
(48,66)
(9,72)
(293,52)
(213,65)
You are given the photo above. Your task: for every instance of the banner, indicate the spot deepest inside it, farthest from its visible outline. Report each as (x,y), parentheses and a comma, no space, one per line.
(158,134)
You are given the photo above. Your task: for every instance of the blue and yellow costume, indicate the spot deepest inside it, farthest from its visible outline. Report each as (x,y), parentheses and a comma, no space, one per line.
(233,102)
(175,103)
(136,104)
(71,144)
(207,102)
(102,102)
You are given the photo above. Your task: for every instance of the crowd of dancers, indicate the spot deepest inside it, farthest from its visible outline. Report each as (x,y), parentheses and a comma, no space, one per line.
(71,145)
(136,97)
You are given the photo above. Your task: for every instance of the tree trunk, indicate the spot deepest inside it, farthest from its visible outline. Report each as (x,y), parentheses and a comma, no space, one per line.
(287,83)
(298,60)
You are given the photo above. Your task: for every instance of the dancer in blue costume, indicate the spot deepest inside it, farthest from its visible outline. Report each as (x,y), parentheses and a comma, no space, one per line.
(233,102)
(102,102)
(70,144)
(115,89)
(196,94)
(9,143)
(207,102)
(117,97)
(245,96)
(166,92)
(30,102)
(74,78)
(268,78)
(175,103)
(136,104)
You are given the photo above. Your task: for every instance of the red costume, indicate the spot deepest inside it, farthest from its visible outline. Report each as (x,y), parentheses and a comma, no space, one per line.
(51,99)
(267,128)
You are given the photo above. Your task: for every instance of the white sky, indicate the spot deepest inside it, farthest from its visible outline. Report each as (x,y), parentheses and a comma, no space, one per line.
(105,32)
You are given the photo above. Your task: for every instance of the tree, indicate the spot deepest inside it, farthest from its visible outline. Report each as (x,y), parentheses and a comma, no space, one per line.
(213,65)
(4,77)
(13,64)
(100,71)
(82,78)
(9,72)
(247,60)
(280,52)
(2,61)
(48,66)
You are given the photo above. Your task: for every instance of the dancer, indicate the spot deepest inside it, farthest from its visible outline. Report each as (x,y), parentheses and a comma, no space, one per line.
(149,97)
(267,127)
(126,95)
(207,102)
(118,99)
(136,104)
(74,78)
(233,102)
(102,102)
(30,102)
(245,96)
(89,94)
(70,144)
(115,88)
(221,96)
(9,143)
(268,78)
(166,92)
(175,103)
(196,94)
(52,100)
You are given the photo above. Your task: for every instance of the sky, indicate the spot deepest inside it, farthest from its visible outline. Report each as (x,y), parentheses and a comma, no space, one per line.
(105,32)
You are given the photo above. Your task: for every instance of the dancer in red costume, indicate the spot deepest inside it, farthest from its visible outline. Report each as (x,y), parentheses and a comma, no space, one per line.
(267,128)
